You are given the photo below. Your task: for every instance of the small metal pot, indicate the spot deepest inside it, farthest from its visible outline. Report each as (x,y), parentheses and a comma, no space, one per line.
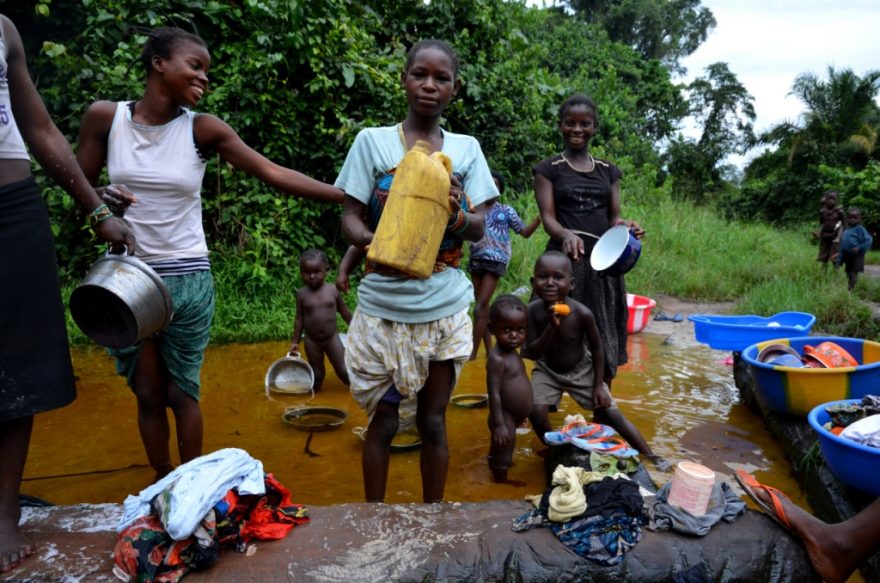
(120,302)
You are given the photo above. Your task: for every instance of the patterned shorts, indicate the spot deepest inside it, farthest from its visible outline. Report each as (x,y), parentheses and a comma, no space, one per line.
(381,354)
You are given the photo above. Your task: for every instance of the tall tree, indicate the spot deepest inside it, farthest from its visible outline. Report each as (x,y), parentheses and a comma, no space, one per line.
(836,136)
(722,108)
(666,30)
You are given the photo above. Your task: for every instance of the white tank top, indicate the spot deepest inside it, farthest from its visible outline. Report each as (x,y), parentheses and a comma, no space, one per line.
(11,142)
(161,166)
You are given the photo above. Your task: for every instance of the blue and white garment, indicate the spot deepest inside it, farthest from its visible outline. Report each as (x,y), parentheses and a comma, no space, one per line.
(495,244)
(192,489)
(374,153)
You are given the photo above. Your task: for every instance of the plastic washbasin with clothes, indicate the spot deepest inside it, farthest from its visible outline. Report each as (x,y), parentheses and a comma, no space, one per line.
(796,390)
(853,463)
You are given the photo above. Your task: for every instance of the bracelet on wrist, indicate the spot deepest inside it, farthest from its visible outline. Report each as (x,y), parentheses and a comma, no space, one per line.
(463,227)
(99,215)
(456,221)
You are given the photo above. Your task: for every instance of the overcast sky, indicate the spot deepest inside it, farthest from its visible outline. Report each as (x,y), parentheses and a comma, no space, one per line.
(767,43)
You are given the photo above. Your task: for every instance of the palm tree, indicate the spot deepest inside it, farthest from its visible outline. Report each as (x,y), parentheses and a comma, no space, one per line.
(837,111)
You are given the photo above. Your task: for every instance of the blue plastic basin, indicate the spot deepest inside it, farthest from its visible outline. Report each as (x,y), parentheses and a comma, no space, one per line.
(796,391)
(736,333)
(854,464)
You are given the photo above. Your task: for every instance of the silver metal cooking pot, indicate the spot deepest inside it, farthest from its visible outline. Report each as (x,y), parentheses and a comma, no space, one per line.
(120,302)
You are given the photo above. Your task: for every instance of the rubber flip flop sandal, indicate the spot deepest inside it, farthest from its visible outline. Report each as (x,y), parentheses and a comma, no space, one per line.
(615,446)
(583,429)
(677,318)
(749,484)
(662,317)
(578,430)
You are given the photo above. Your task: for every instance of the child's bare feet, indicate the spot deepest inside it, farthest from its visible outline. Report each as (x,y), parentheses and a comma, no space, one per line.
(162,471)
(14,548)
(662,464)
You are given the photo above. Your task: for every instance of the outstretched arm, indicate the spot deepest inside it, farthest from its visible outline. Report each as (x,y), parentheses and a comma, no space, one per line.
(216,134)
(48,144)
(530,229)
(571,243)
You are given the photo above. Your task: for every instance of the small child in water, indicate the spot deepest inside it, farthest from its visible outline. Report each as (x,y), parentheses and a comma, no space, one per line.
(316,306)
(510,393)
(854,244)
(563,338)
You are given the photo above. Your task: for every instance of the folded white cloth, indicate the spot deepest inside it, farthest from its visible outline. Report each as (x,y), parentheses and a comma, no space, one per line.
(192,489)
(865,431)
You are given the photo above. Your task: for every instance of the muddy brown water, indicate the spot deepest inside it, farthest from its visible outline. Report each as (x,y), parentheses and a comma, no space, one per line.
(682,398)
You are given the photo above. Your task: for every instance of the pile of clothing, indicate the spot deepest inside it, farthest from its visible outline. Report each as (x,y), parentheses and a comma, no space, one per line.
(180,523)
(859,422)
(599,511)
(597,514)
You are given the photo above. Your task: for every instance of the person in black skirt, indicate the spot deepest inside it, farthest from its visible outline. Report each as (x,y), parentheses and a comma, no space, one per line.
(36,374)
(578,196)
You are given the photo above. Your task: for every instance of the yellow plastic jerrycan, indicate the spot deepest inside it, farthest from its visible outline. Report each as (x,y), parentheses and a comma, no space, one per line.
(416,213)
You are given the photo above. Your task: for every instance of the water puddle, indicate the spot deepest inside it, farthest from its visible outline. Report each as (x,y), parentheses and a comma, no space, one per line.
(682,398)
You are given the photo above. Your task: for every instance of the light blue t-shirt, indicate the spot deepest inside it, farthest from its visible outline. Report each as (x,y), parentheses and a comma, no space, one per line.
(376,151)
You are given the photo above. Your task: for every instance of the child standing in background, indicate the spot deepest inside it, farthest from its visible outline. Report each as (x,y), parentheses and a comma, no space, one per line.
(854,244)
(830,228)
(489,258)
(316,306)
(510,392)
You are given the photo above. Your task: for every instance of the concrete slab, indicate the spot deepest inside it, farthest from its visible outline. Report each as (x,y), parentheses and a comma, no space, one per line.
(418,542)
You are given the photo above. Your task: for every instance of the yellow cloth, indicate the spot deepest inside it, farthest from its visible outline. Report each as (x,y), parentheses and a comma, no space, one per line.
(567,500)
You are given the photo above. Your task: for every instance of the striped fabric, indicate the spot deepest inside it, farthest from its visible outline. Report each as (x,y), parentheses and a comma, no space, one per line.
(181,266)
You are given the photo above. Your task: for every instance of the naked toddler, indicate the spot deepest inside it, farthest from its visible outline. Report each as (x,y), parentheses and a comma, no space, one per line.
(510,392)
(316,306)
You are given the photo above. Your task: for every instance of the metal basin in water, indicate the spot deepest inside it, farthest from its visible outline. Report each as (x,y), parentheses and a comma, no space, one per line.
(120,301)
(290,374)
(314,418)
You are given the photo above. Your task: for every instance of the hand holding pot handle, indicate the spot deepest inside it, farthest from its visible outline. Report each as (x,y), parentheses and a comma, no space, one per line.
(634,228)
(117,233)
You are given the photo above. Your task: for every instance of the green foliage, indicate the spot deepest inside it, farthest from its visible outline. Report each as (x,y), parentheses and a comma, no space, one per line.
(297,81)
(833,147)
(858,188)
(666,30)
(723,108)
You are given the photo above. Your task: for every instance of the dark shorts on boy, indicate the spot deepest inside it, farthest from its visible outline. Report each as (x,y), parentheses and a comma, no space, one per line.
(549,385)
(481,266)
(828,247)
(854,262)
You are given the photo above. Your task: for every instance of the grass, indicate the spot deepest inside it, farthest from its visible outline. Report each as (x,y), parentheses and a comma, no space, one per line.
(688,252)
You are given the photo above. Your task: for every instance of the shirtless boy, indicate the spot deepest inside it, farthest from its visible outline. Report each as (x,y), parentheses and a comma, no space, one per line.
(316,306)
(510,393)
(569,356)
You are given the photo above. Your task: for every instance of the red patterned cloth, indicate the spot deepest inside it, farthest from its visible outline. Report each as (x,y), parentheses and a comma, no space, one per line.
(145,552)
